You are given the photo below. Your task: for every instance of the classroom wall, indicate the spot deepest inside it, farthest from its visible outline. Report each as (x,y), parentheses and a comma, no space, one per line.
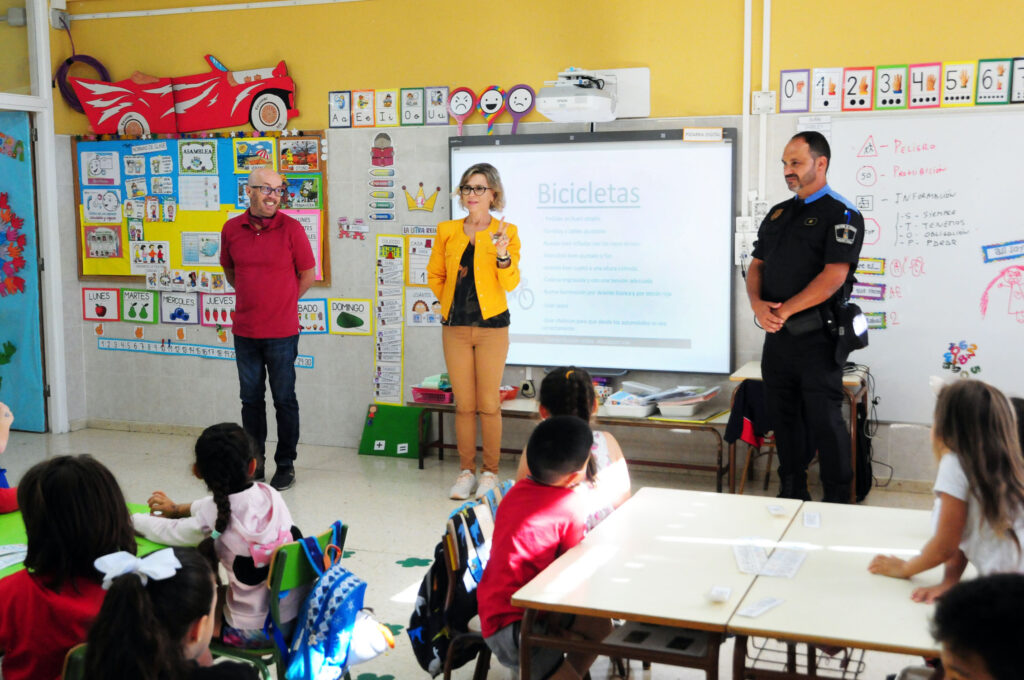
(14,71)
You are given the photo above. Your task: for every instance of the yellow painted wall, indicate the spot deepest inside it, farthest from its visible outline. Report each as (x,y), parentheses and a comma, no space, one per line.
(694,48)
(14,72)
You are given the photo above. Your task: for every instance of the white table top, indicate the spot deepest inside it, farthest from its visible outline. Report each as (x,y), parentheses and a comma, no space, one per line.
(752,371)
(655,558)
(833,599)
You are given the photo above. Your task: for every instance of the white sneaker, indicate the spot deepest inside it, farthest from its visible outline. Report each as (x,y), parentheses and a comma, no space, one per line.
(488,481)
(463,486)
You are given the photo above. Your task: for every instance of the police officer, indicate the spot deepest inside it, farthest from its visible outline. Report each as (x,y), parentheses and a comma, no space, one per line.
(803,262)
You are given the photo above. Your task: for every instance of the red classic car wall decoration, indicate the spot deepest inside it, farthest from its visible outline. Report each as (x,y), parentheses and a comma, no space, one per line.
(143,104)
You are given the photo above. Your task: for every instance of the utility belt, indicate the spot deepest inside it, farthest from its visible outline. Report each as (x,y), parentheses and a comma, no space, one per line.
(844,320)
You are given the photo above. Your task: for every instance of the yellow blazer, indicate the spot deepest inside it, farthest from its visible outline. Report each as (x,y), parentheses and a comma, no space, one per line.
(491,282)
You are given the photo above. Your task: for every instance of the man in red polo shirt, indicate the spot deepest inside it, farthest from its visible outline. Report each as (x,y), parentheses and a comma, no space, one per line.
(267,258)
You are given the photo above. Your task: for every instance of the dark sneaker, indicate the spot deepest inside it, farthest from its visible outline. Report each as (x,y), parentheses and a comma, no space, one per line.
(284,478)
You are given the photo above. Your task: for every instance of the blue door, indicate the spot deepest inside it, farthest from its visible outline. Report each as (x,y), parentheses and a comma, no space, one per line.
(22,386)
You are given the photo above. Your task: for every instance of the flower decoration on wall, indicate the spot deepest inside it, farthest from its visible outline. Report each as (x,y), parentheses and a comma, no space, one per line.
(12,246)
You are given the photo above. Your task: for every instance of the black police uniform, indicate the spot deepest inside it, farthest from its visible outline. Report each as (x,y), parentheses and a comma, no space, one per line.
(803,382)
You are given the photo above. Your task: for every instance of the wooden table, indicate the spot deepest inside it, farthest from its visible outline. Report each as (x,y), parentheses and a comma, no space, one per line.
(654,560)
(833,600)
(12,530)
(527,409)
(855,386)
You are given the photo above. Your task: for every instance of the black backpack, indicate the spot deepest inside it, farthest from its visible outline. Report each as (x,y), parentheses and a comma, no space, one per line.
(435,621)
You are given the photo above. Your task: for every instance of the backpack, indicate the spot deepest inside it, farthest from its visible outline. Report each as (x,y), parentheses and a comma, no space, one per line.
(321,647)
(434,621)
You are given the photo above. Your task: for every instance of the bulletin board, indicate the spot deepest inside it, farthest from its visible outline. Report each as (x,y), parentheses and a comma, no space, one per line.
(146,205)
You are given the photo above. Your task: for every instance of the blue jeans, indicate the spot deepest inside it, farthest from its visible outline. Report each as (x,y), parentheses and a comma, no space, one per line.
(257,358)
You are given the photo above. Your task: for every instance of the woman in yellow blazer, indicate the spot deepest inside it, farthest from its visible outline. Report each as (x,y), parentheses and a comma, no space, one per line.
(473,263)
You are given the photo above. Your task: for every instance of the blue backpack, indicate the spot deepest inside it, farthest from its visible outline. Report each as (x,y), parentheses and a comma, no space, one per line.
(323,631)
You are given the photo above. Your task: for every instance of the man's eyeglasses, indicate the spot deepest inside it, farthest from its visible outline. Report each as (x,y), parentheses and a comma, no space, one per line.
(267,190)
(466,190)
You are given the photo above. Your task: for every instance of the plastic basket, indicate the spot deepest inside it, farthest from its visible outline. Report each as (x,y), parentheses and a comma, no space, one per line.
(508,392)
(428,395)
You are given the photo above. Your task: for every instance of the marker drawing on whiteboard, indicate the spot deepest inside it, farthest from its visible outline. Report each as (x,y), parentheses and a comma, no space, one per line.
(1011,278)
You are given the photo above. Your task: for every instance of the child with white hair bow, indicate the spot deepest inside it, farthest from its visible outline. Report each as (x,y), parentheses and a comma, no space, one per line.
(157,619)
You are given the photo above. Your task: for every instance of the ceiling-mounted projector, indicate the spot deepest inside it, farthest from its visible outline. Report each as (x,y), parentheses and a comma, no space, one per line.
(588,96)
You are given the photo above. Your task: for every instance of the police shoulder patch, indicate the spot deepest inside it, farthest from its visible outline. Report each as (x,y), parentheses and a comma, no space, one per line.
(775,215)
(846,233)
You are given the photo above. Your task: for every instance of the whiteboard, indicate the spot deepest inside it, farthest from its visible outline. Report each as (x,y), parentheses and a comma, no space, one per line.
(942,268)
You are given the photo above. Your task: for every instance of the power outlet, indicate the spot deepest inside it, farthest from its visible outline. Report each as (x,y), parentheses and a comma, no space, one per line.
(744,248)
(762,102)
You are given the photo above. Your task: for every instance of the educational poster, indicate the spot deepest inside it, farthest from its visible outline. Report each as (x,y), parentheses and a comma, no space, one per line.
(148,256)
(422,308)
(310,221)
(436,103)
(386,108)
(858,86)
(350,317)
(101,206)
(924,85)
(180,308)
(252,153)
(200,248)
(1017,88)
(313,316)
(795,91)
(303,192)
(339,109)
(139,306)
(993,81)
(418,249)
(102,242)
(299,155)
(101,304)
(891,87)
(389,311)
(173,187)
(216,309)
(101,168)
(826,90)
(197,157)
(362,108)
(412,106)
(958,78)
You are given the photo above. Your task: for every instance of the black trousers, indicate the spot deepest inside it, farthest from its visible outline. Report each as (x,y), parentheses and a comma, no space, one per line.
(804,397)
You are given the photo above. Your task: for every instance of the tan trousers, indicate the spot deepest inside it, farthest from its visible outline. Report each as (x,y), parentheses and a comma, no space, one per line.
(476,363)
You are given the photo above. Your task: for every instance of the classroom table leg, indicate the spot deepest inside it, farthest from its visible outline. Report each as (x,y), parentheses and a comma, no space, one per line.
(812,661)
(739,658)
(525,629)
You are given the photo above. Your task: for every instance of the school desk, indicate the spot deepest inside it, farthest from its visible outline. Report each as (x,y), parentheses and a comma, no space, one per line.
(12,530)
(833,600)
(654,560)
(855,386)
(711,419)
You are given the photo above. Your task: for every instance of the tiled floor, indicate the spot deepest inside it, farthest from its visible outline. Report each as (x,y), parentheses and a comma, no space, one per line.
(396,514)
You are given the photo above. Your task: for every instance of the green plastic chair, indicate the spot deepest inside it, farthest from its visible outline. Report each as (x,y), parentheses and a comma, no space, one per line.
(289,569)
(74,663)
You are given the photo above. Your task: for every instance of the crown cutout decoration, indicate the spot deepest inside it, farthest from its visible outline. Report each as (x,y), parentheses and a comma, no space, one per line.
(420,200)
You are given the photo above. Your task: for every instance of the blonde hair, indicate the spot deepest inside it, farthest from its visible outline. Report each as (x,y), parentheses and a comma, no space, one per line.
(493,181)
(975,422)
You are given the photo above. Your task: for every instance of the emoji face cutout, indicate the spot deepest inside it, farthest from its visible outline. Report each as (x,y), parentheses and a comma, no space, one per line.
(520,99)
(491,101)
(461,102)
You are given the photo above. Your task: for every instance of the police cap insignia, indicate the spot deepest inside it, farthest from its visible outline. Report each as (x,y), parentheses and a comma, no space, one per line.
(846,233)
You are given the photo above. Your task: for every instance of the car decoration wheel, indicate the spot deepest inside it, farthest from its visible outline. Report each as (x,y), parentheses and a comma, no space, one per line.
(132,124)
(269,112)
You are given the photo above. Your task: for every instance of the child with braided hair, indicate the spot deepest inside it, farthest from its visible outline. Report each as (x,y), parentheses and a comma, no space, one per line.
(243,521)
(569,391)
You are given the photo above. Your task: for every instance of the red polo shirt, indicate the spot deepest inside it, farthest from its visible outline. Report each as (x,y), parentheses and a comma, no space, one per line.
(267,265)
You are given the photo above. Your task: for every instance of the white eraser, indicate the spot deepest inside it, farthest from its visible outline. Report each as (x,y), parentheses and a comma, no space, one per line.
(719,593)
(776,510)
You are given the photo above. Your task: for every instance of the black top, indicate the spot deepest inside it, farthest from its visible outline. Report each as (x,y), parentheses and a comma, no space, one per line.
(799,237)
(465,309)
(228,670)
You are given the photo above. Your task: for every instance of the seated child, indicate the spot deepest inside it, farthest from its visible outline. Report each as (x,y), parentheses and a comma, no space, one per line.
(540,518)
(157,619)
(74,512)
(569,391)
(244,520)
(979,625)
(8,496)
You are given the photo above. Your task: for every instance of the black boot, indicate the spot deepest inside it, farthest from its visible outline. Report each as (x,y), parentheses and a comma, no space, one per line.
(794,486)
(836,493)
